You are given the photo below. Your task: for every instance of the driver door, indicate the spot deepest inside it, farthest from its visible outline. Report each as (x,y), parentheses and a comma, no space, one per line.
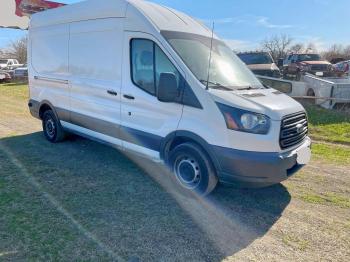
(145,121)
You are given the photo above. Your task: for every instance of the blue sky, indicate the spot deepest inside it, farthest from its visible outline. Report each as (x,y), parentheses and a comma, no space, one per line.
(246,23)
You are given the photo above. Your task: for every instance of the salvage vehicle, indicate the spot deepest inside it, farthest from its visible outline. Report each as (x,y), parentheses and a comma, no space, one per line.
(21,72)
(297,65)
(342,68)
(261,63)
(9,64)
(5,77)
(327,92)
(168,89)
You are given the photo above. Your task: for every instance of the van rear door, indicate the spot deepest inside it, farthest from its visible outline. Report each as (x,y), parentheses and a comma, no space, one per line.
(144,119)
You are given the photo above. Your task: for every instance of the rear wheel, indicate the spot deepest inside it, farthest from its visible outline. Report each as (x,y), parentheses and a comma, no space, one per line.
(311,94)
(52,128)
(193,169)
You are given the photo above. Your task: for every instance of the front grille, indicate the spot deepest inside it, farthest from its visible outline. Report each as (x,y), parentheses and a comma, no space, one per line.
(322,68)
(294,129)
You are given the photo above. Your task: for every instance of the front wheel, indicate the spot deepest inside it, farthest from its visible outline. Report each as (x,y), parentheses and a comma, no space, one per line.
(193,168)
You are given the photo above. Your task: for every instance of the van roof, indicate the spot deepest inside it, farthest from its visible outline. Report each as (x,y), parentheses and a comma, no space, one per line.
(163,18)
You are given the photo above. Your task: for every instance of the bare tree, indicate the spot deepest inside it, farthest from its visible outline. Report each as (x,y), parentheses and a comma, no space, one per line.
(277,45)
(311,48)
(347,52)
(334,52)
(18,50)
(297,48)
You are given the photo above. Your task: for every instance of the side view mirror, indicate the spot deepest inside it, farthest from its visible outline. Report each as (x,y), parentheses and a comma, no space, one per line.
(167,88)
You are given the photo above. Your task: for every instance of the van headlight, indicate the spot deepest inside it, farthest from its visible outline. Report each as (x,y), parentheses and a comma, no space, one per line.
(245,121)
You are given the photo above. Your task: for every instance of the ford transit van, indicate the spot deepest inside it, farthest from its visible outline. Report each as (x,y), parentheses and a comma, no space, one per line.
(151,80)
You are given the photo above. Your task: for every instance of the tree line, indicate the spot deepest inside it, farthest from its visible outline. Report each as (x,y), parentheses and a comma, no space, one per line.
(16,50)
(281,45)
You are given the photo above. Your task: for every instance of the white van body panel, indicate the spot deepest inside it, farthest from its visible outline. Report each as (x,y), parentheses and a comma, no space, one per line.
(95,62)
(48,64)
(83,11)
(165,18)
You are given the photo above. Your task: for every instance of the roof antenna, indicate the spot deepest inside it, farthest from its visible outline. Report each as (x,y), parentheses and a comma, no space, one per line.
(211,49)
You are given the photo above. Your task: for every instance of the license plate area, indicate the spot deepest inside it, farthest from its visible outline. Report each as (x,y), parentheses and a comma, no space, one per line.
(303,155)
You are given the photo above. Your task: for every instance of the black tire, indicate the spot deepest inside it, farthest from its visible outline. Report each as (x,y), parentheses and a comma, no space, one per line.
(52,128)
(311,93)
(193,168)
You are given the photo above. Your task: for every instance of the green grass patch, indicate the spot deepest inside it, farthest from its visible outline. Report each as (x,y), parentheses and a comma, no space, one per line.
(333,153)
(14,90)
(326,199)
(329,125)
(295,242)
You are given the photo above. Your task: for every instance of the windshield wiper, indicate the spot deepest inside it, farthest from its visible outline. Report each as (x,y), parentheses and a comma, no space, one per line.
(215,85)
(248,88)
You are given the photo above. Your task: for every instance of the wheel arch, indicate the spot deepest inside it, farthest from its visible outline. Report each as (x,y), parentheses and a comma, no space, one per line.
(178,137)
(310,92)
(44,106)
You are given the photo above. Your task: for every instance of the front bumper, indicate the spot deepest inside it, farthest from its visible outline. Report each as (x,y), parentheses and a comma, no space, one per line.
(257,169)
(34,107)
(325,73)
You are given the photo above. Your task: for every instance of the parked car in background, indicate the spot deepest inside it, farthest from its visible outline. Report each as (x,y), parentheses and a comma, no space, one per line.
(280,62)
(261,63)
(337,60)
(4,77)
(9,64)
(296,65)
(342,68)
(21,72)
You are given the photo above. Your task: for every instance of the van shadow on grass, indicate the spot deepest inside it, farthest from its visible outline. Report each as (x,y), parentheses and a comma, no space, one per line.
(134,210)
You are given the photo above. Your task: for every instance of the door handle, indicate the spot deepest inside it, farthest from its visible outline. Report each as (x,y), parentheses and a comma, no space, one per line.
(129,97)
(111,92)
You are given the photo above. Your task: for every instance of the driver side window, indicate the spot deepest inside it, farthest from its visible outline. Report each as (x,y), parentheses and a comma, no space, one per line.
(148,61)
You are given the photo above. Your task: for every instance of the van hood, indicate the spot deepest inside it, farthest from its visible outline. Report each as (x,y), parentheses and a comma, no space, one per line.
(270,102)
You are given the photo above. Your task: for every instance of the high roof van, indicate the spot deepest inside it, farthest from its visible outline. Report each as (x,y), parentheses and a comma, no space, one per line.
(151,80)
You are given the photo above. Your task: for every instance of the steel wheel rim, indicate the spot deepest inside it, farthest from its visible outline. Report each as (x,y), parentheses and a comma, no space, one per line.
(50,127)
(187,172)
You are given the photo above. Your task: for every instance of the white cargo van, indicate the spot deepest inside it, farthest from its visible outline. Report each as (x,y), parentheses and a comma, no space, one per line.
(135,75)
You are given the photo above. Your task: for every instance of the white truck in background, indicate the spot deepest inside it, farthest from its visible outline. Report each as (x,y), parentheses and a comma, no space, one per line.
(9,64)
(329,92)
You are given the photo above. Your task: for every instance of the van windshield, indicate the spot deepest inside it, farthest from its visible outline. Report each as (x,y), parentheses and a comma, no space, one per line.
(226,69)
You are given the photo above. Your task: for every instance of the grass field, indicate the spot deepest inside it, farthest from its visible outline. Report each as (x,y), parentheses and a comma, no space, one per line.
(80,200)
